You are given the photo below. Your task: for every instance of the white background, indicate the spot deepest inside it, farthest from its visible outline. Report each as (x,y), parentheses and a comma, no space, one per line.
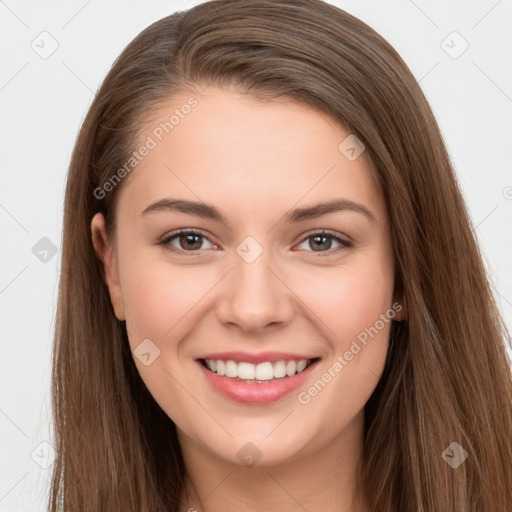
(44,101)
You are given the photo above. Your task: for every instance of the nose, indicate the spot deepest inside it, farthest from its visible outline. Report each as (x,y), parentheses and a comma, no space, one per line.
(255,297)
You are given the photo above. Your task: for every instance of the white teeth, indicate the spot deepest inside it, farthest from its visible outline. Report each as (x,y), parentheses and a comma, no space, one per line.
(245,371)
(262,371)
(301,365)
(291,368)
(231,369)
(279,369)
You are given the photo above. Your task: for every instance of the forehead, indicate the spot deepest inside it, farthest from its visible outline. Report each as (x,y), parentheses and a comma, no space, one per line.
(236,150)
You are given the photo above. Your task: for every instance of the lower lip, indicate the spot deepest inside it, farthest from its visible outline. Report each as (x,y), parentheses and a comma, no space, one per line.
(256,393)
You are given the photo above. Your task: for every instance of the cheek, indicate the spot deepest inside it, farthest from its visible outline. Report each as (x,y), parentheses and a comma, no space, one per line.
(354,304)
(159,296)
(359,316)
(160,301)
(349,298)
(364,297)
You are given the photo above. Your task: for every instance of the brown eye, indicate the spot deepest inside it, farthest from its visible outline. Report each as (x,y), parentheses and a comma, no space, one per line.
(186,241)
(322,242)
(190,241)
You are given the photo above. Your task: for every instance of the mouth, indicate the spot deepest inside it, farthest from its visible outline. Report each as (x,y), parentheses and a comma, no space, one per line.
(260,383)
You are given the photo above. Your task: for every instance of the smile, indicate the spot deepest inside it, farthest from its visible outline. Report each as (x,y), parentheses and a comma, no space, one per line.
(260,383)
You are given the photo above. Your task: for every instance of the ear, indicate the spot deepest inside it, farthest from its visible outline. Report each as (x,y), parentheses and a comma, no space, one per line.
(107,256)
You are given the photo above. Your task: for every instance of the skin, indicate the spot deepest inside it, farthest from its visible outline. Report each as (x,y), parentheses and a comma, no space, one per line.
(254,161)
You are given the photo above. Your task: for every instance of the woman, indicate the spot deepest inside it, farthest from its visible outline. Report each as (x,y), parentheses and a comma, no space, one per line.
(253,369)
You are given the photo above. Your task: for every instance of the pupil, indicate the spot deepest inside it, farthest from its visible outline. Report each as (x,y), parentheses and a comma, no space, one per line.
(189,239)
(323,238)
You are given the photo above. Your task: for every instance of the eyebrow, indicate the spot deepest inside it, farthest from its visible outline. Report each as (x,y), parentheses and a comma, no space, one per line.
(297,215)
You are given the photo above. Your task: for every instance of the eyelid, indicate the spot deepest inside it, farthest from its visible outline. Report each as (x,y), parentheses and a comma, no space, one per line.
(187,231)
(329,232)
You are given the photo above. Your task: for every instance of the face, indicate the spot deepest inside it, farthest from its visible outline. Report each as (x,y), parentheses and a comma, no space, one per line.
(262,276)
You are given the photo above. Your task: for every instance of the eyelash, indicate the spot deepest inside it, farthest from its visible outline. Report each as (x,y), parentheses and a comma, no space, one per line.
(165,242)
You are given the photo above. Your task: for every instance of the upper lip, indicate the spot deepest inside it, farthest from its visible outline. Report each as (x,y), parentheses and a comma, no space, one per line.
(260,357)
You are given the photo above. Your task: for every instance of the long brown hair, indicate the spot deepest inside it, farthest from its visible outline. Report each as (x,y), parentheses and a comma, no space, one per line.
(447,376)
